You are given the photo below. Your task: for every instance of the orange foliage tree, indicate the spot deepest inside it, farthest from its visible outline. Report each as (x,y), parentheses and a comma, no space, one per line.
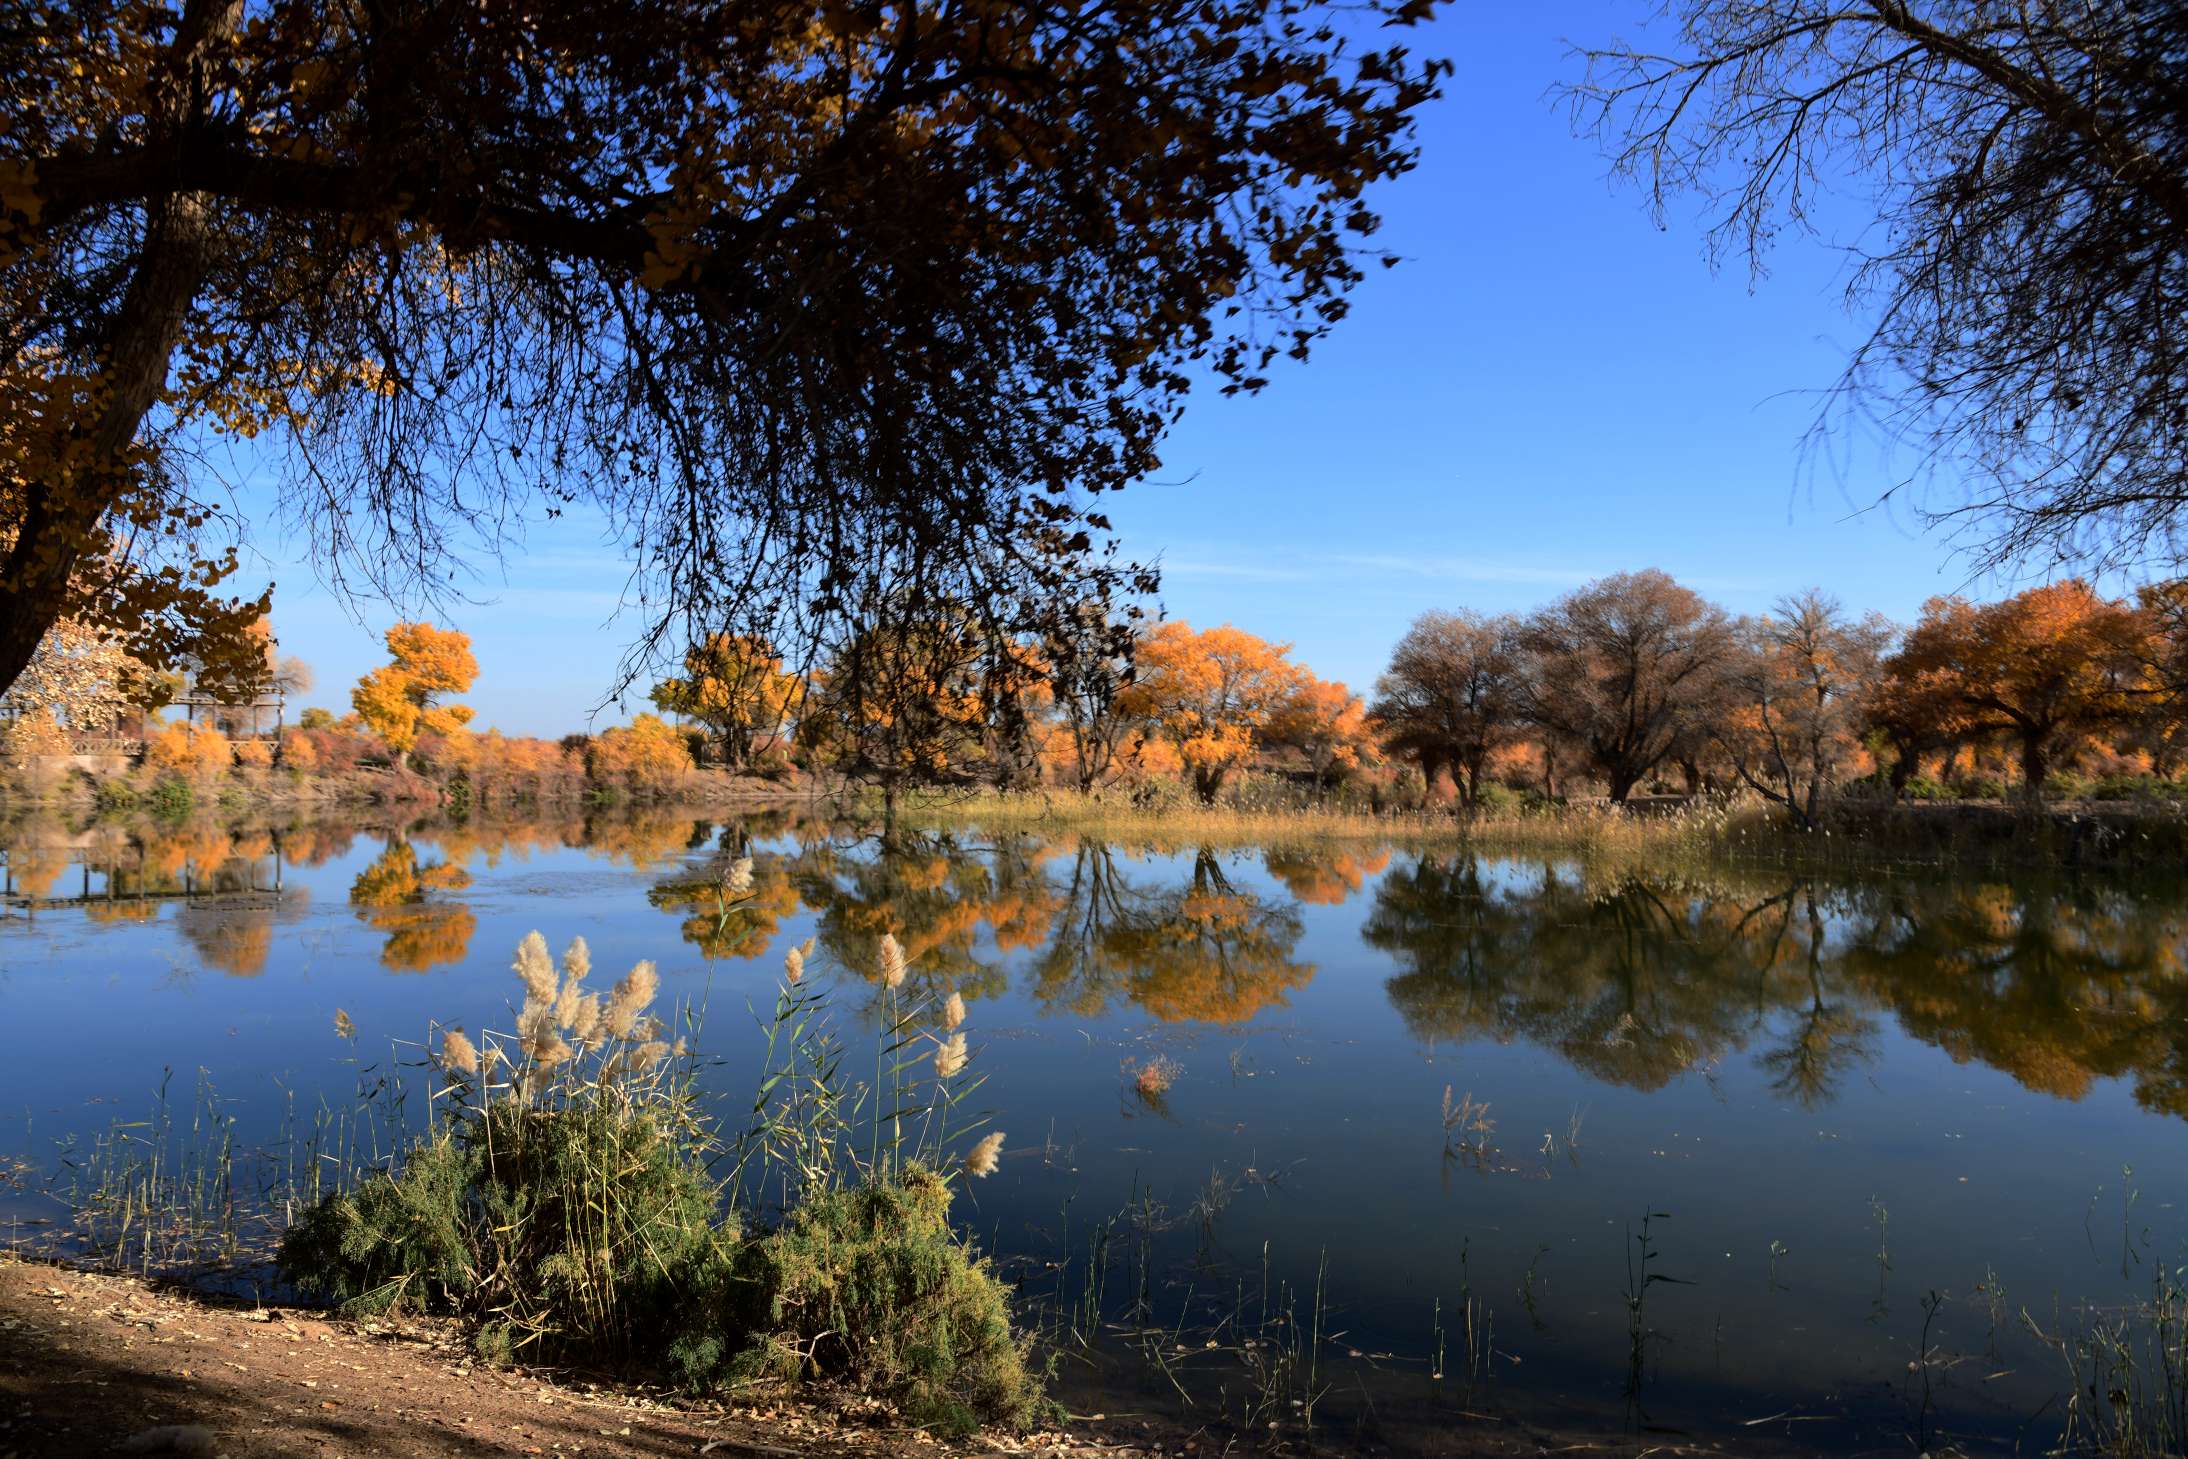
(2042,668)
(1210,694)
(734,684)
(193,751)
(398,700)
(647,757)
(1326,723)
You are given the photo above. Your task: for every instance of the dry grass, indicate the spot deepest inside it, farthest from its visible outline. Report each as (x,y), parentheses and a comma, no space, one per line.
(1116,816)
(1857,833)
(1153,1078)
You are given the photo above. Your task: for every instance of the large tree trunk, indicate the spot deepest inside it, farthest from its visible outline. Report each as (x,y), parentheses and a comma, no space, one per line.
(60,526)
(2035,766)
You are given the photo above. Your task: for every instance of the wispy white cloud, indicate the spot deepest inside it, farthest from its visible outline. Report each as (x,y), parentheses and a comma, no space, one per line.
(1258,572)
(1464,569)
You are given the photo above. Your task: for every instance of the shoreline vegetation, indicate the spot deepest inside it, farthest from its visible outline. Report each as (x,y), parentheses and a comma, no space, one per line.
(2136,831)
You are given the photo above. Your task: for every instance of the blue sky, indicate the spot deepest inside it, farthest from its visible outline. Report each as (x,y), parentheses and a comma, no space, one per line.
(1548,389)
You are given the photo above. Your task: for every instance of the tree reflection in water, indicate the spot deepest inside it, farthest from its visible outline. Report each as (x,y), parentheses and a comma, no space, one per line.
(1635,979)
(403,898)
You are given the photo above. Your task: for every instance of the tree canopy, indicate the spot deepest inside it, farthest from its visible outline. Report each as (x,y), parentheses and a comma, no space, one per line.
(2026,167)
(774,288)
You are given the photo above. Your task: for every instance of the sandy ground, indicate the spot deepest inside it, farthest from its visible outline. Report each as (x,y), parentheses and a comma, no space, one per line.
(91,1362)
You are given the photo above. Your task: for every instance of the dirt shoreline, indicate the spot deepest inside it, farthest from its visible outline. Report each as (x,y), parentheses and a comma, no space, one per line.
(91,1361)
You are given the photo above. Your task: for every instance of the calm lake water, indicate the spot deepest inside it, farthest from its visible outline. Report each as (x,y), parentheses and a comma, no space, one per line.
(1836,1098)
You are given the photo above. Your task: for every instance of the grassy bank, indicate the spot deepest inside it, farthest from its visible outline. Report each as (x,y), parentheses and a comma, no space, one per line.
(1854,831)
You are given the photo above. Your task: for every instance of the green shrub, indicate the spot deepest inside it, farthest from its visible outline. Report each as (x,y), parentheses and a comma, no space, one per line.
(563,1208)
(2134,787)
(1921,787)
(1495,798)
(170,798)
(1979,787)
(869,1285)
(113,796)
(558,1233)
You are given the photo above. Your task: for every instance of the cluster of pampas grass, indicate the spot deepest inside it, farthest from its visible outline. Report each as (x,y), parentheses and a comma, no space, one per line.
(569,1041)
(813,1131)
(569,1202)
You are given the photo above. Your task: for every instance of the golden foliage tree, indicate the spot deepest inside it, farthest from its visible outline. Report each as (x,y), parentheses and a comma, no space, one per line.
(2041,668)
(734,684)
(647,757)
(193,751)
(1326,723)
(1210,693)
(398,700)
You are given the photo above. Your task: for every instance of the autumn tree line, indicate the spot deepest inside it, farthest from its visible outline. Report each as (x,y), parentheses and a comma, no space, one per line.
(1630,684)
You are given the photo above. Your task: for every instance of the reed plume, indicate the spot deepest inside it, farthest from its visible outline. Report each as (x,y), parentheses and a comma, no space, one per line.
(629,999)
(585,1019)
(892,961)
(458,1054)
(577,961)
(981,1160)
(949,1056)
(953,1013)
(739,881)
(343,1028)
(794,965)
(536,968)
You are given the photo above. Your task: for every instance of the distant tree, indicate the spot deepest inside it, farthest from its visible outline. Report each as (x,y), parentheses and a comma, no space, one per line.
(647,757)
(769,285)
(2042,668)
(1799,682)
(1326,723)
(1210,694)
(735,685)
(2027,166)
(2164,609)
(398,701)
(1622,668)
(1453,695)
(1089,656)
(904,699)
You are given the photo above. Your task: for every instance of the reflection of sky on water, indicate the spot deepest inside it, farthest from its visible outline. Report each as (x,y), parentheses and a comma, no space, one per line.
(1767,1059)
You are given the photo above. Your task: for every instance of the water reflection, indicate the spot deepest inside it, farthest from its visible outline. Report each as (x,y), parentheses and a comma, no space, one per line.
(1637,979)
(1632,977)
(404,898)
(1202,948)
